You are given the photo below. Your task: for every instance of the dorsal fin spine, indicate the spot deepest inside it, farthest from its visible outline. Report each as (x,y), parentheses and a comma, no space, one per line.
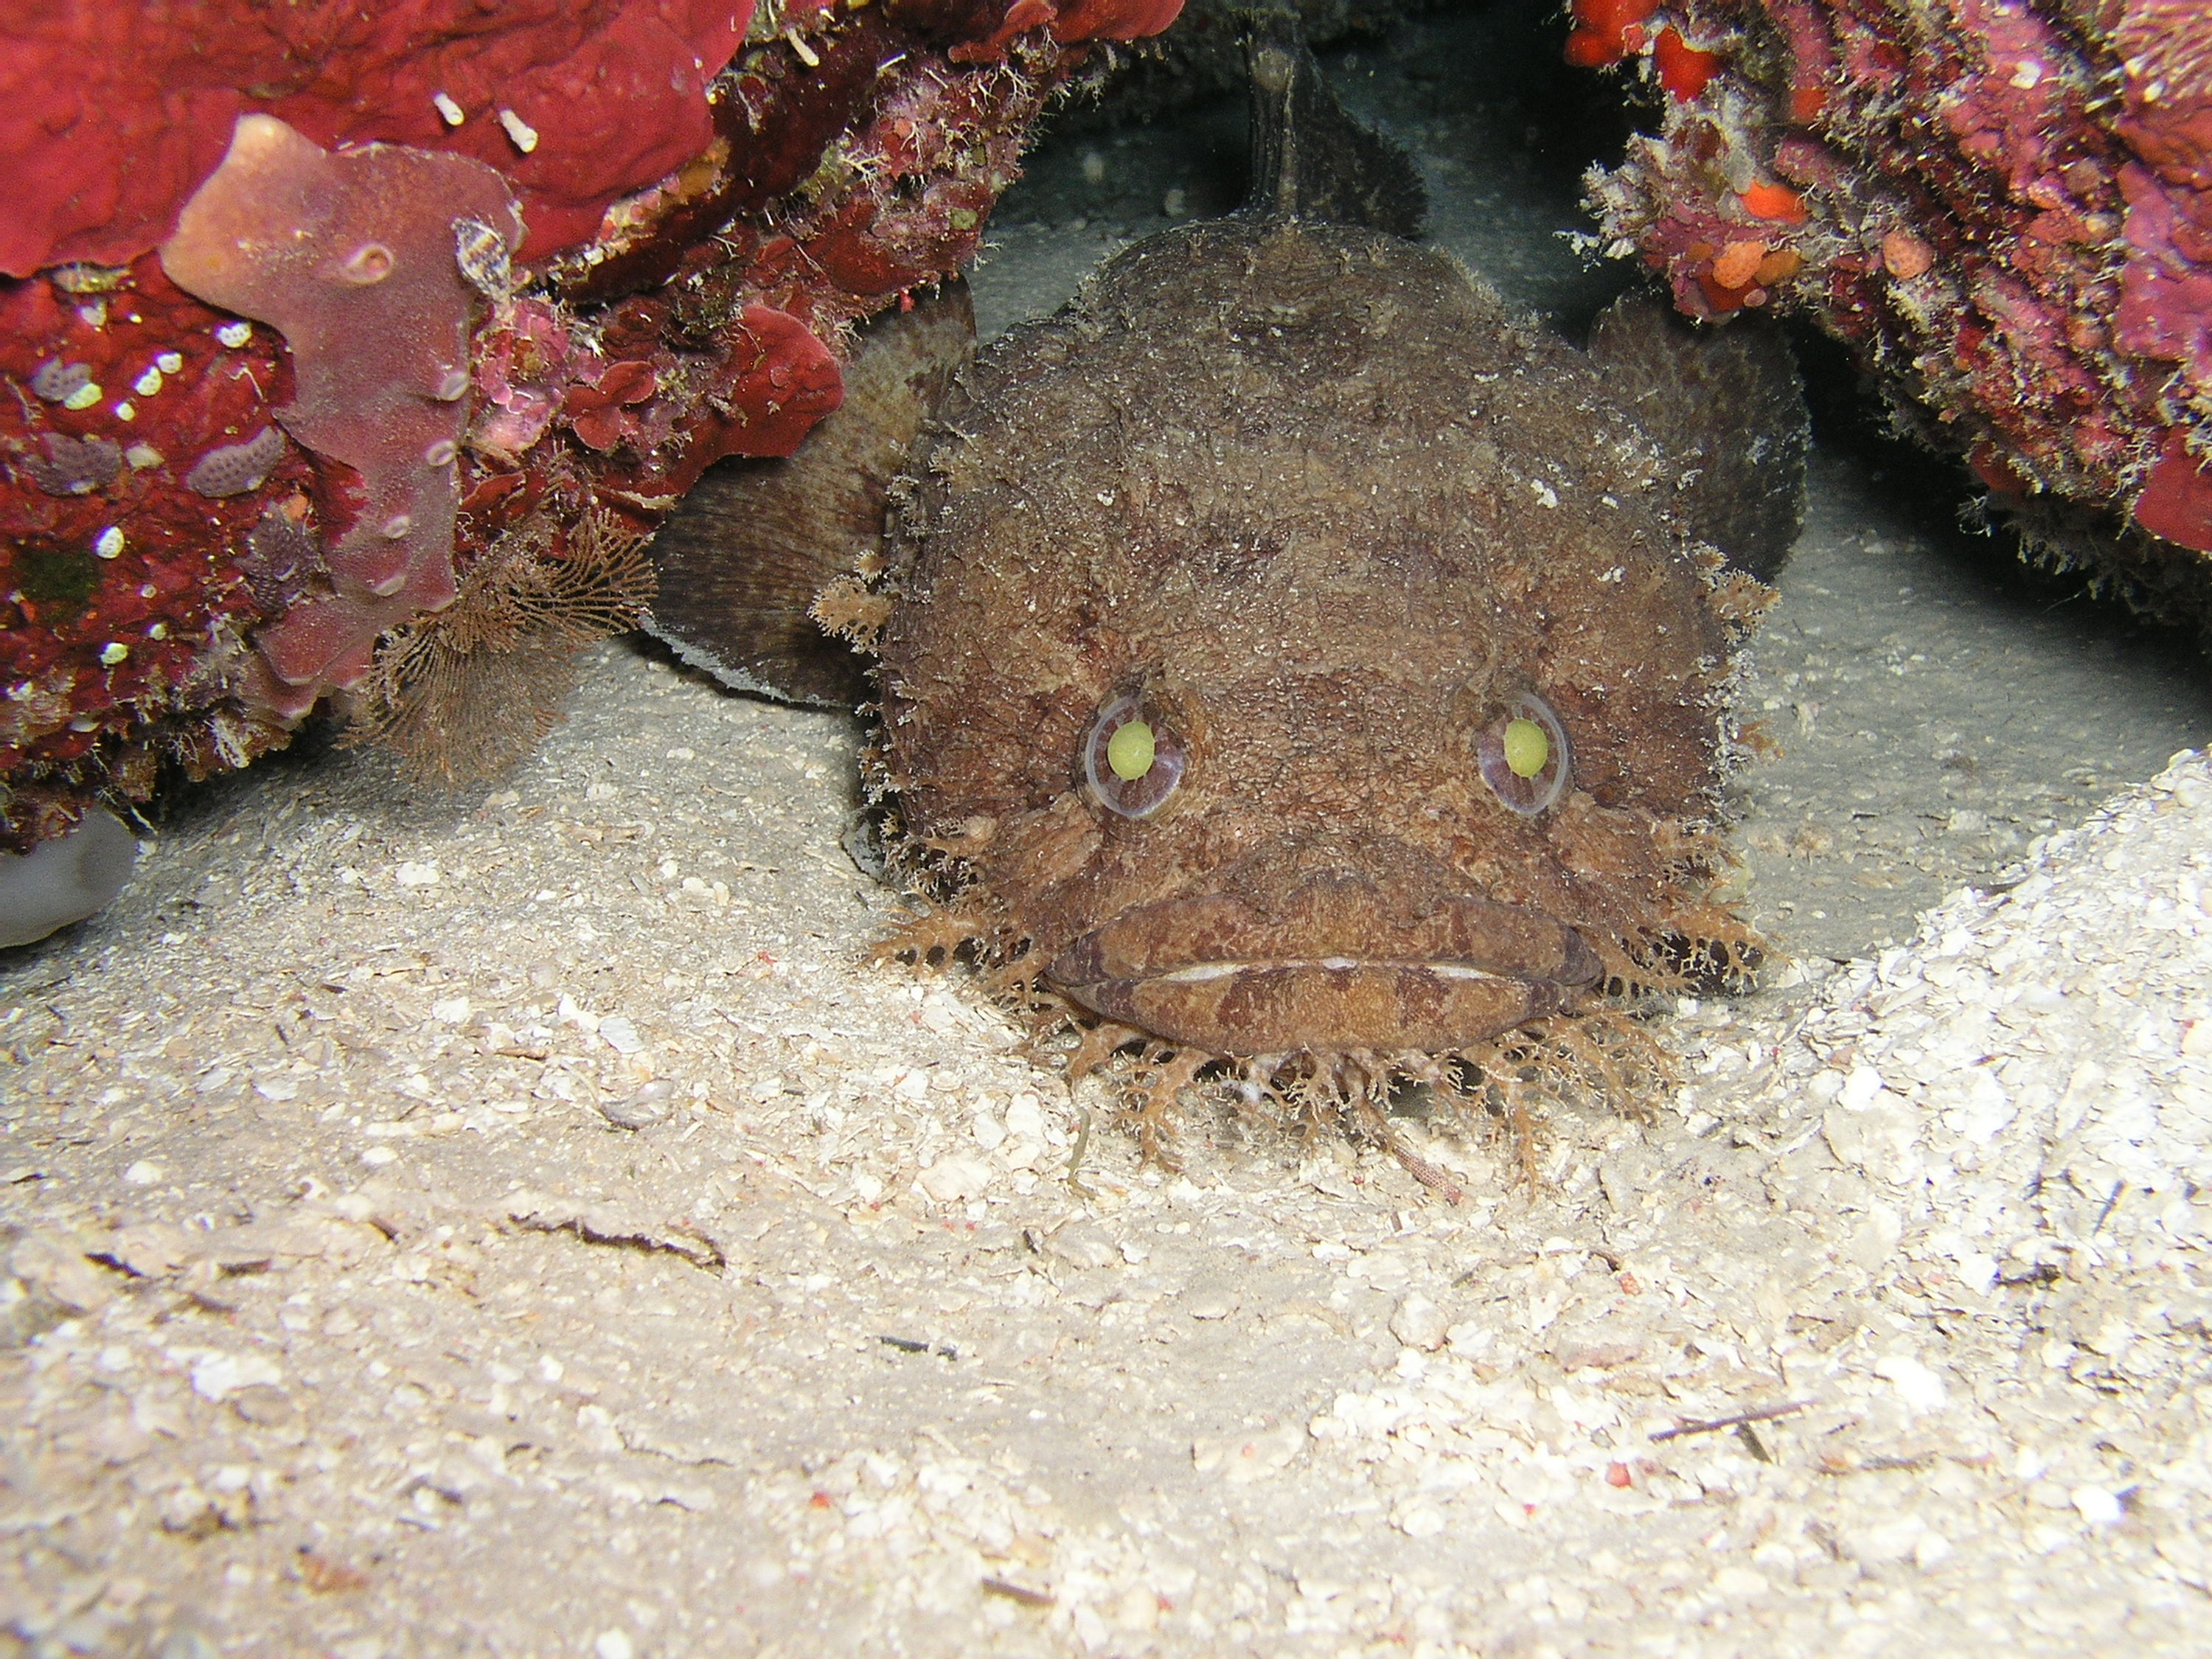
(1310,159)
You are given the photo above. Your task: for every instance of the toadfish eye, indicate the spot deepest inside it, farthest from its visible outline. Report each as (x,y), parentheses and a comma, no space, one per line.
(1525,756)
(1132,758)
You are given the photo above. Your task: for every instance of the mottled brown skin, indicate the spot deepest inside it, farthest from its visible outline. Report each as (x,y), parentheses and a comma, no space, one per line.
(1310,492)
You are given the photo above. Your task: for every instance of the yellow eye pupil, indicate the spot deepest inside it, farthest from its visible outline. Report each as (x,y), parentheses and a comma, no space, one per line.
(1129,751)
(1527,748)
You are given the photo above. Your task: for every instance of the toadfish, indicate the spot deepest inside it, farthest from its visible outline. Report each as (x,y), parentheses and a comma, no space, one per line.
(1291,664)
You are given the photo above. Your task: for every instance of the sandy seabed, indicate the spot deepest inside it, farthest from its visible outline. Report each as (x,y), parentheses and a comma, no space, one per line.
(524,1224)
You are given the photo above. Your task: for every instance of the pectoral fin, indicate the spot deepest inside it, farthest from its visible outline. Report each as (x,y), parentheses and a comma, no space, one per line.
(1311,158)
(1725,405)
(742,559)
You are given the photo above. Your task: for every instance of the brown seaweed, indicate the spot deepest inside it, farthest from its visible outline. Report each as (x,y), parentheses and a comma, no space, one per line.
(465,693)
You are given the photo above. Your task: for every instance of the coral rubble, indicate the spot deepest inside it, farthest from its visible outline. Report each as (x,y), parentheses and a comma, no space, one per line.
(2004,207)
(310,311)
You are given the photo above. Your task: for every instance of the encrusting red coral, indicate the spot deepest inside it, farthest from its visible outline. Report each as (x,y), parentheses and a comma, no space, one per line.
(112,116)
(124,611)
(1083,20)
(1683,70)
(1606,30)
(2004,207)
(202,530)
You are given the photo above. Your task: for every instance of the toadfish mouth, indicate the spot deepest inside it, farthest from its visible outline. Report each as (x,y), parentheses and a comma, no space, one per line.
(1219,975)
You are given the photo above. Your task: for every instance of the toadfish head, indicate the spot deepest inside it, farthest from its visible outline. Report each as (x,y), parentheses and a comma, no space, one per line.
(1290,654)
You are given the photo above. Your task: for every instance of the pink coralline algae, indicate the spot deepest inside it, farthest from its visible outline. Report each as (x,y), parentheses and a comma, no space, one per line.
(2004,207)
(351,257)
(432,281)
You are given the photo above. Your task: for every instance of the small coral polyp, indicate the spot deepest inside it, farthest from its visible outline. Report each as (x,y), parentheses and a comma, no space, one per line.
(248,511)
(2000,205)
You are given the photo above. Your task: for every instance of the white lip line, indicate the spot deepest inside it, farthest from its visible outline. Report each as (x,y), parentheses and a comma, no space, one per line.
(1203,973)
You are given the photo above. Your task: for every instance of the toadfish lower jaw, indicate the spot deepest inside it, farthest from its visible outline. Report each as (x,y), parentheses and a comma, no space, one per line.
(1173,969)
(1316,1007)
